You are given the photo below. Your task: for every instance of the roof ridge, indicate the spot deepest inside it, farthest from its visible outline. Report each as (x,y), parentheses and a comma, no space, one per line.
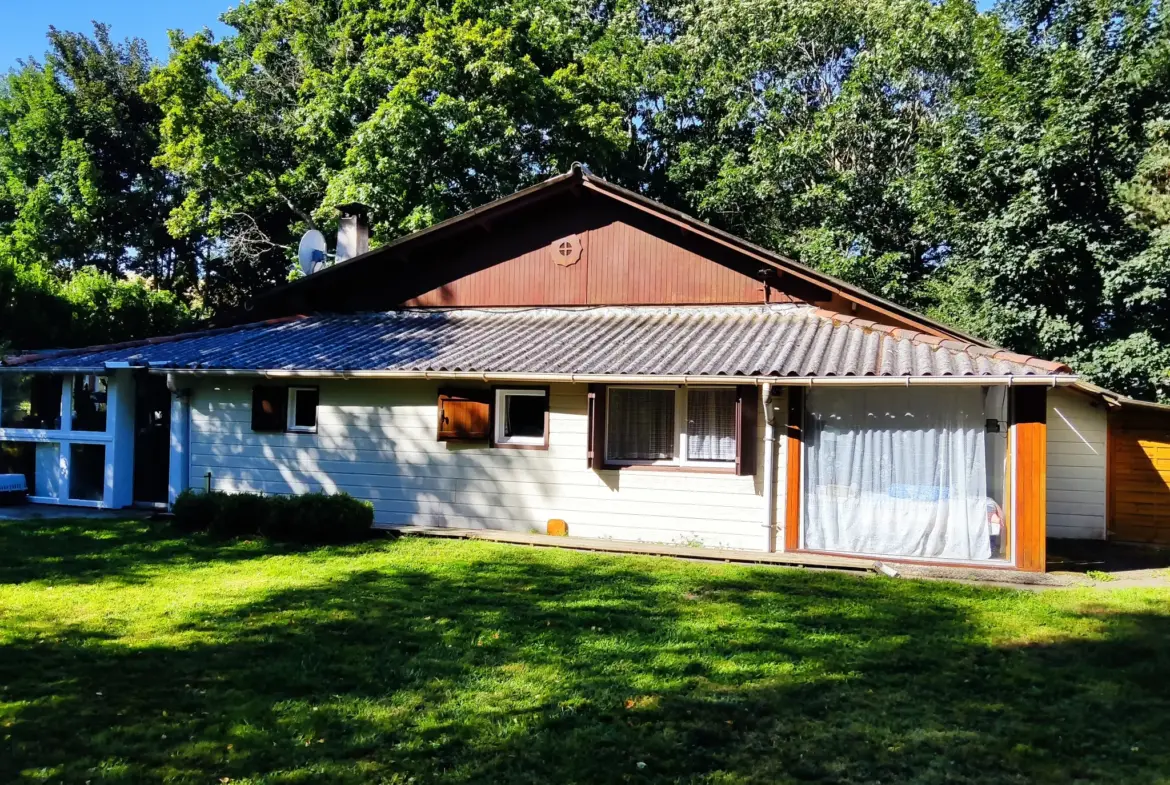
(24,359)
(973,350)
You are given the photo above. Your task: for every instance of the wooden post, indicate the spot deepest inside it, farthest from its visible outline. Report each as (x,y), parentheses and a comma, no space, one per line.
(1030,476)
(794,440)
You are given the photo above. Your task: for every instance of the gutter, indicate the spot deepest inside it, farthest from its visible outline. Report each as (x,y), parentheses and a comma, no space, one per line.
(769,468)
(582,378)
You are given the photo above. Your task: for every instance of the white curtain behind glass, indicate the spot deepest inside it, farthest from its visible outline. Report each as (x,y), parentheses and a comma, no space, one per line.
(640,425)
(897,472)
(711,425)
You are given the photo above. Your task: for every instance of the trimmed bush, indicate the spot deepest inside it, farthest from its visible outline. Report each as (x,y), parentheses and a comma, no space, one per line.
(307,518)
(320,517)
(194,511)
(240,515)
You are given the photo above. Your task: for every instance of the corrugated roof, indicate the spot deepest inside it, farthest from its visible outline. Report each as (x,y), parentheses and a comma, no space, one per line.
(764,340)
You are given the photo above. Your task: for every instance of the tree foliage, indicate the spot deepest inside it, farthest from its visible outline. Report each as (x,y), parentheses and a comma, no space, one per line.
(421,110)
(1007,171)
(81,204)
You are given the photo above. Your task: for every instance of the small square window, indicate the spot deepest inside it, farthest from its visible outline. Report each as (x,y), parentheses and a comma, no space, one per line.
(302,409)
(521,417)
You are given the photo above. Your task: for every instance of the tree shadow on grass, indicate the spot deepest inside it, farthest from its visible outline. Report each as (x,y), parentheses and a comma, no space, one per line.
(519,669)
(87,549)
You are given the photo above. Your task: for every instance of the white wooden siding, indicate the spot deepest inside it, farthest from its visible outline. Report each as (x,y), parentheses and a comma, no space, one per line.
(376,441)
(1076,466)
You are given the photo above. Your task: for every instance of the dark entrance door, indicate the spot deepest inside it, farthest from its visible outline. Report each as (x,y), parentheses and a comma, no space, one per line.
(152,437)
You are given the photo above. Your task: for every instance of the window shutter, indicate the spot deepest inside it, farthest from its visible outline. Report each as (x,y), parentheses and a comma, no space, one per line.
(595,436)
(747,402)
(464,415)
(269,408)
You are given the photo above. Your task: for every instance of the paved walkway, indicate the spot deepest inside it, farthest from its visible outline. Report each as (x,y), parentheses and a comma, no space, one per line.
(821,561)
(32,512)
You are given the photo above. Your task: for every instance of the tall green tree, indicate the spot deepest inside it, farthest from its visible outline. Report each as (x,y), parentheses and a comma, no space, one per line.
(1009,171)
(78,186)
(421,110)
(1029,188)
(798,124)
(81,204)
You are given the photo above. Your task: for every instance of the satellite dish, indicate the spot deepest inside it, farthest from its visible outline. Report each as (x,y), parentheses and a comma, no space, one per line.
(311,252)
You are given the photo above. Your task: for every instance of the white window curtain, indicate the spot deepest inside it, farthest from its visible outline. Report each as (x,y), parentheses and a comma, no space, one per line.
(897,472)
(711,424)
(640,425)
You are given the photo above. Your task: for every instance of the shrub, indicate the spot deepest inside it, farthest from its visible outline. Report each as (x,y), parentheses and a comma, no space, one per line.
(307,518)
(320,517)
(239,515)
(194,511)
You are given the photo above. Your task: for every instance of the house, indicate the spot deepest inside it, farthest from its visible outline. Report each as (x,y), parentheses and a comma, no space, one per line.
(577,352)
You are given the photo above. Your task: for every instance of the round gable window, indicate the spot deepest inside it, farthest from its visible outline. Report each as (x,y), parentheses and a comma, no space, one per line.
(567,250)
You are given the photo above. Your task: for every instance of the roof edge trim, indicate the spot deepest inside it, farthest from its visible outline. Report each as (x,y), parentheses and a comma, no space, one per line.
(1054,380)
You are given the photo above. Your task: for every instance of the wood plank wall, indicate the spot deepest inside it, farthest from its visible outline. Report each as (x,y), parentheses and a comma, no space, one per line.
(1029,487)
(1139,476)
(621,264)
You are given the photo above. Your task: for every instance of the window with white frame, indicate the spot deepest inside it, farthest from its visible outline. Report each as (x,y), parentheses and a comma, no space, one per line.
(682,426)
(521,417)
(30,401)
(302,409)
(90,394)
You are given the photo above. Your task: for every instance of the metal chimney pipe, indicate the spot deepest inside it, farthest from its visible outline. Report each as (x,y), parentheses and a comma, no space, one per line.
(353,230)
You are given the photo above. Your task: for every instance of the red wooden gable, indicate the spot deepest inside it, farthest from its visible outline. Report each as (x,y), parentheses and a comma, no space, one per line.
(592,259)
(574,240)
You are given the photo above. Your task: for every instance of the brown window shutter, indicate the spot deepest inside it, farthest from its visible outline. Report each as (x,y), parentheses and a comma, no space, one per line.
(269,408)
(464,415)
(595,437)
(747,401)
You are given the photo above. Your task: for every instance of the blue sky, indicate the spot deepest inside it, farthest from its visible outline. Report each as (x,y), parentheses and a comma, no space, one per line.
(23,23)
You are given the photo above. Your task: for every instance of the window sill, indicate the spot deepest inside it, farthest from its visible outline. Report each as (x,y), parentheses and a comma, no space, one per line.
(520,446)
(662,467)
(45,435)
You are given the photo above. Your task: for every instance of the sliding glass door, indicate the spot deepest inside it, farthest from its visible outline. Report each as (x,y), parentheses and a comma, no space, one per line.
(913,472)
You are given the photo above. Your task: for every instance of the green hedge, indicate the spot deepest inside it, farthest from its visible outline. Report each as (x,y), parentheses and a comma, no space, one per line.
(309,518)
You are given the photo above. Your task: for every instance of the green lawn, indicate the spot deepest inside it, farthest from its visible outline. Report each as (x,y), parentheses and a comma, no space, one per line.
(131,655)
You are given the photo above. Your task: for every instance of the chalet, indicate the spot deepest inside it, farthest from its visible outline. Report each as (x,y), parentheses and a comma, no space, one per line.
(578,353)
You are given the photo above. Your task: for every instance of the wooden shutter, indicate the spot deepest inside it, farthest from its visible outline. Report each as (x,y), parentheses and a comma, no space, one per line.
(595,434)
(464,415)
(269,408)
(747,401)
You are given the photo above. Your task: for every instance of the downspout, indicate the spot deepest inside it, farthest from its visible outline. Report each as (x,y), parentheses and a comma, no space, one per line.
(769,467)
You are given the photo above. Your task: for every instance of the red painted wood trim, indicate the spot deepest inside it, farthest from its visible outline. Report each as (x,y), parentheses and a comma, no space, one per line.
(1030,428)
(747,402)
(795,436)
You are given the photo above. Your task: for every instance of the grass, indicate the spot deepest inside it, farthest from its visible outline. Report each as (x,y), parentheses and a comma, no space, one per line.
(131,655)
